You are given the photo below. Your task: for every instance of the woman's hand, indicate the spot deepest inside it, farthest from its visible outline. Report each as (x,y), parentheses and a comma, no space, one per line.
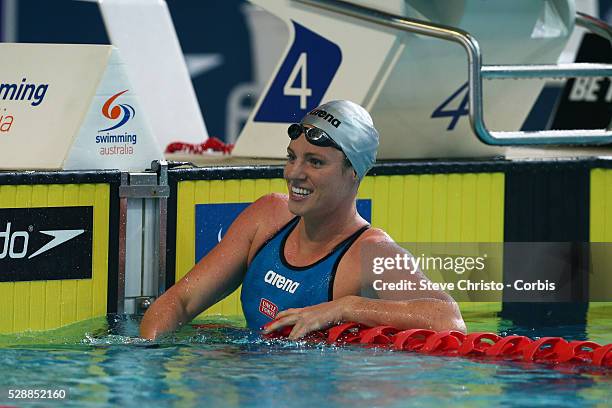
(311,318)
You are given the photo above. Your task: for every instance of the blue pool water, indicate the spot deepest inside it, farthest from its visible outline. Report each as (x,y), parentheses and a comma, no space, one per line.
(227,366)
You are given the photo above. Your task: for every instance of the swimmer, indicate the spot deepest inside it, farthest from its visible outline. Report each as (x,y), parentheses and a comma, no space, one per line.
(302,258)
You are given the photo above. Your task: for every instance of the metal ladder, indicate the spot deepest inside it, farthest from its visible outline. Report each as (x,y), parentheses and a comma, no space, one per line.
(477,72)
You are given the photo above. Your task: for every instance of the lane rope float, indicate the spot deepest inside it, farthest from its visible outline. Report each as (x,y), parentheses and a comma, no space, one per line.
(545,350)
(211,144)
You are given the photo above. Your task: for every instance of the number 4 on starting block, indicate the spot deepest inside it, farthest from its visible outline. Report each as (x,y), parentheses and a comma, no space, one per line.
(303,78)
(455,114)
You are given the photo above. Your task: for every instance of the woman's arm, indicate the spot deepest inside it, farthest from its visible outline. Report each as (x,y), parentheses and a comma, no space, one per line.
(406,309)
(433,314)
(214,277)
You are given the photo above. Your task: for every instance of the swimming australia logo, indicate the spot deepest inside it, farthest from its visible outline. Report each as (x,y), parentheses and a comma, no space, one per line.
(327,116)
(122,111)
(279,281)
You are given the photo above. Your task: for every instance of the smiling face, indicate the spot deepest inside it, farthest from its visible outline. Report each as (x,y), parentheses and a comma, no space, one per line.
(318,180)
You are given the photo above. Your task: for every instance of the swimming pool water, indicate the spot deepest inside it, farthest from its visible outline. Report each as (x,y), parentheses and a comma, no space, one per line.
(229,366)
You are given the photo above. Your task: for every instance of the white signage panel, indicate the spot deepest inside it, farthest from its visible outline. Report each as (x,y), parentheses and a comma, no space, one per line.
(415,87)
(70,107)
(115,133)
(44,94)
(144,33)
(324,60)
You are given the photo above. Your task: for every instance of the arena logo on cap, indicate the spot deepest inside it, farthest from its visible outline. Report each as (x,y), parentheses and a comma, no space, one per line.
(118,144)
(327,116)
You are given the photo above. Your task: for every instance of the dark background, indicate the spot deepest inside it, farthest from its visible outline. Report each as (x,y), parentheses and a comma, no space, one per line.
(203,27)
(219,27)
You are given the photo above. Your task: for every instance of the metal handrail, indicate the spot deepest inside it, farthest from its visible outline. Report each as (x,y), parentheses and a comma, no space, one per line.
(594,25)
(476,72)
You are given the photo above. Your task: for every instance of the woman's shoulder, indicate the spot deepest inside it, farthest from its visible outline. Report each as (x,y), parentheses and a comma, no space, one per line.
(371,241)
(267,213)
(374,235)
(270,212)
(270,208)
(271,202)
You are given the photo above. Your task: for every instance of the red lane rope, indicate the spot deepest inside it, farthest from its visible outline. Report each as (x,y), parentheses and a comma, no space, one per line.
(546,350)
(212,143)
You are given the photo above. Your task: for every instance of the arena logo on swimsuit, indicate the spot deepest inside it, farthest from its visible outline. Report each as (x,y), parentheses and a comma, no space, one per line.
(279,281)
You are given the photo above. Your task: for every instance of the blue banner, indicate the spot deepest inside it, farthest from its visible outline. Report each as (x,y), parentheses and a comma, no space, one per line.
(213,220)
(303,78)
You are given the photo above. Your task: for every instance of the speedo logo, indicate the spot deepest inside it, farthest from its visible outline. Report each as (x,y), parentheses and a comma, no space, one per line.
(15,244)
(327,116)
(279,281)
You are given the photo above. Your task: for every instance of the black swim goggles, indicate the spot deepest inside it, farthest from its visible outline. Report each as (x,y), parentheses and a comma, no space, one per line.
(314,135)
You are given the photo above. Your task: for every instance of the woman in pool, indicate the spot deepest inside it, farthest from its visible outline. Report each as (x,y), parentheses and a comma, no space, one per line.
(306,259)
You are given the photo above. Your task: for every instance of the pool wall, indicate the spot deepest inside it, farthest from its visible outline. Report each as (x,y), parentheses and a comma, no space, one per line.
(559,200)
(57,288)
(495,201)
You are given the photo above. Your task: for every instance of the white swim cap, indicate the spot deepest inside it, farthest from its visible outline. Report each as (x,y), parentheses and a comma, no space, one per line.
(351,127)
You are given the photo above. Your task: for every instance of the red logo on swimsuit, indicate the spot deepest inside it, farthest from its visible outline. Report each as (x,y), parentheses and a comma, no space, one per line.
(268,308)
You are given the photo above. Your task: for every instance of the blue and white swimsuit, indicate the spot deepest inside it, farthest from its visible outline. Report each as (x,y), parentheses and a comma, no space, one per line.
(272,285)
